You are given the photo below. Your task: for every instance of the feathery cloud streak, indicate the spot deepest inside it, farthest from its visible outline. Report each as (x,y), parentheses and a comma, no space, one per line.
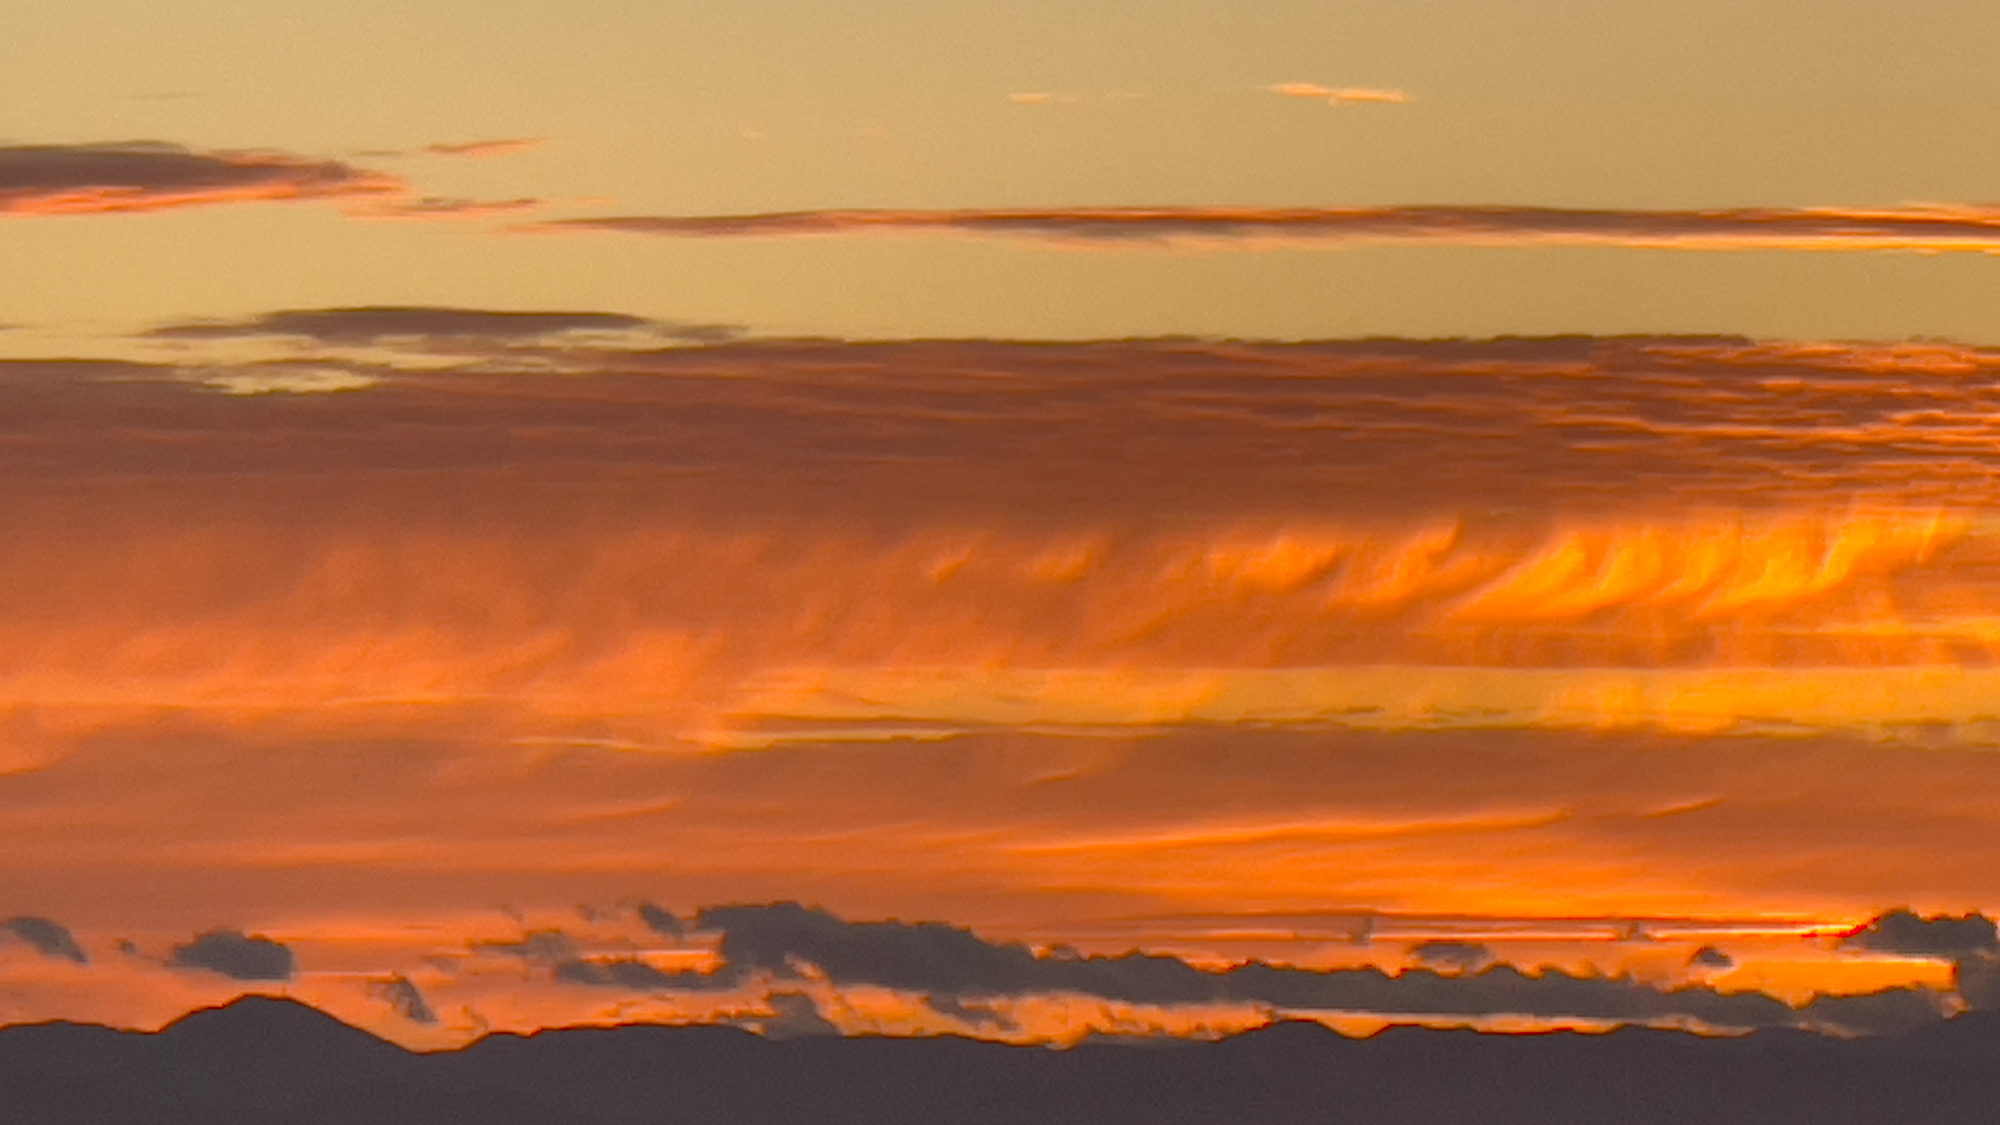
(1939,228)
(146,176)
(1340,95)
(152,176)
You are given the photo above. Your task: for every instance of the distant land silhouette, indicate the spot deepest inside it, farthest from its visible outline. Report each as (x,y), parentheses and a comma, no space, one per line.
(273,1061)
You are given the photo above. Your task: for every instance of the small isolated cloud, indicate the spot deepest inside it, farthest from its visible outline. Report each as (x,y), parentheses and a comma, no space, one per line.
(1342,95)
(1942,935)
(1709,957)
(635,975)
(437,207)
(537,947)
(797,1017)
(1039,97)
(977,1015)
(1459,955)
(662,922)
(403,995)
(486,149)
(370,324)
(235,955)
(376,324)
(153,176)
(1926,228)
(48,938)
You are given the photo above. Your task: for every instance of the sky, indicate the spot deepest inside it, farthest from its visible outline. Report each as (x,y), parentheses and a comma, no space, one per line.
(861,515)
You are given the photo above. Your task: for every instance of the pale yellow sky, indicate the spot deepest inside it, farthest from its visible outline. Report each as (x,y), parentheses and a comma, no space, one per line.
(732,108)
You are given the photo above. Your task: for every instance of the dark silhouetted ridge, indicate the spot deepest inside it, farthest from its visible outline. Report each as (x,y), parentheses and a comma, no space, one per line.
(272,1061)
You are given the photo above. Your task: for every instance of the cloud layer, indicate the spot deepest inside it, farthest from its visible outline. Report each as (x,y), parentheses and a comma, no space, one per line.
(153,176)
(1919,228)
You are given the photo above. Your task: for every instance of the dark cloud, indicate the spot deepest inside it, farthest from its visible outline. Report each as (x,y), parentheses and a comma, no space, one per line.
(1977,982)
(797,1017)
(235,955)
(979,1015)
(634,975)
(1903,228)
(934,958)
(537,947)
(661,922)
(1459,955)
(48,938)
(402,994)
(373,324)
(150,176)
(1891,1011)
(946,962)
(1709,957)
(1941,935)
(1370,429)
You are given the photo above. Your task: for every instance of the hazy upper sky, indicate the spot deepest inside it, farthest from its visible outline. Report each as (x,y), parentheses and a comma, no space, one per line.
(486,481)
(728,108)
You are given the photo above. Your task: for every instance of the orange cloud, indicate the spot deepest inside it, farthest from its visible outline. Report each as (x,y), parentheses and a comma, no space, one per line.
(1925,228)
(1340,95)
(152,176)
(485,149)
(1066,642)
(100,179)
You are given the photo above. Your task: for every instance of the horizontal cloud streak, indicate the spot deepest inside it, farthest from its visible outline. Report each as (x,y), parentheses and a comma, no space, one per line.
(1337,95)
(1917,228)
(372,324)
(483,149)
(941,960)
(152,176)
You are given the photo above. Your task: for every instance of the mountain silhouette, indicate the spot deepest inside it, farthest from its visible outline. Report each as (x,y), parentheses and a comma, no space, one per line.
(278,1062)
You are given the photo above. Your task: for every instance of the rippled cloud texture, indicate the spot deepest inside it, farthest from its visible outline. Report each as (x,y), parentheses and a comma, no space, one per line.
(361,650)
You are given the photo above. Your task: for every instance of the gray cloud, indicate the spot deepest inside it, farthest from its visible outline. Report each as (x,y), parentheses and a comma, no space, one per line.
(634,975)
(1741,228)
(150,175)
(1943,935)
(661,922)
(1369,428)
(934,958)
(48,938)
(797,1017)
(378,323)
(402,994)
(979,1015)
(537,947)
(1977,982)
(1891,1011)
(1458,955)
(235,955)
(1709,957)
(949,962)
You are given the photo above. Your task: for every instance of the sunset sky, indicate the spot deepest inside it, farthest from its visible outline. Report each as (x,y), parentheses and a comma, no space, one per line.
(502,498)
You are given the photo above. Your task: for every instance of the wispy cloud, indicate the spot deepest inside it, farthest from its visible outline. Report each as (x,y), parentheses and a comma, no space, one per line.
(367,324)
(438,207)
(1341,95)
(141,176)
(485,149)
(1928,227)
(152,176)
